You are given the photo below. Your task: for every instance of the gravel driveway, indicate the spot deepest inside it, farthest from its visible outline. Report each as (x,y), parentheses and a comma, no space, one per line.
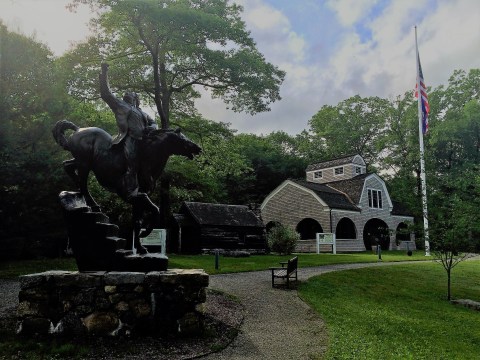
(277,323)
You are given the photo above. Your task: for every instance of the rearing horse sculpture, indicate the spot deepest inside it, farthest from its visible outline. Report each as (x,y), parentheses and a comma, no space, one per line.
(92,150)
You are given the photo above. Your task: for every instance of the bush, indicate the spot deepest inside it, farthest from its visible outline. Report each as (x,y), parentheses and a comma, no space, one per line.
(282,239)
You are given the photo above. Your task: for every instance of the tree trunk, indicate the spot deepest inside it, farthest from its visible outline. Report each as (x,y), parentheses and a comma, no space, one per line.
(448,284)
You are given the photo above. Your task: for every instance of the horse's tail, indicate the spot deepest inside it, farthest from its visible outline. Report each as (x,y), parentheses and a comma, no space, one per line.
(58,132)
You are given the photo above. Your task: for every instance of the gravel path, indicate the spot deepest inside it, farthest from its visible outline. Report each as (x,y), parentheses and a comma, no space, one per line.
(9,290)
(277,323)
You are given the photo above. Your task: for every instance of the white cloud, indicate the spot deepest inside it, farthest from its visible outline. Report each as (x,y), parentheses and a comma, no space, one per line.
(273,32)
(330,49)
(48,20)
(350,12)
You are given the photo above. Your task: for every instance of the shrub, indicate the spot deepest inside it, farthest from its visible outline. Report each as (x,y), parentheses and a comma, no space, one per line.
(282,239)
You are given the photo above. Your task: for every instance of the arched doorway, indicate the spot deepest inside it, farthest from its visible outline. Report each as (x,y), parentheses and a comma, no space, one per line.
(346,229)
(402,233)
(376,230)
(308,229)
(270,225)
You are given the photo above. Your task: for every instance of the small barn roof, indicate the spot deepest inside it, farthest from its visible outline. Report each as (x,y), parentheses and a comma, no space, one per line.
(221,214)
(400,209)
(335,199)
(332,163)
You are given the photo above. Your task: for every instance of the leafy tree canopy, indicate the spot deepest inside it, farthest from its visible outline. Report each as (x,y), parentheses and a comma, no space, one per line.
(169,49)
(354,126)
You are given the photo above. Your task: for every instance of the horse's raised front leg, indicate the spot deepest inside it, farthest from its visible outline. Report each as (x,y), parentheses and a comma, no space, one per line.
(145,214)
(83,184)
(70,167)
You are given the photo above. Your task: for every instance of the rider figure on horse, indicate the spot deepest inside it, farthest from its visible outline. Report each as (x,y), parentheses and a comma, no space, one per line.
(132,124)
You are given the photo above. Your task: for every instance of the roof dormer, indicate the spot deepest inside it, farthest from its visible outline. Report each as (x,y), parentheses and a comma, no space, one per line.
(337,169)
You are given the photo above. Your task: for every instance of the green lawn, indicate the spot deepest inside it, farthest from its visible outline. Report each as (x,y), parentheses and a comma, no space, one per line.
(398,312)
(226,264)
(263,262)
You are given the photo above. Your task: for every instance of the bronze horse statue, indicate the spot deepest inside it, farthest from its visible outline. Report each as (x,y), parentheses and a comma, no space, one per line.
(92,150)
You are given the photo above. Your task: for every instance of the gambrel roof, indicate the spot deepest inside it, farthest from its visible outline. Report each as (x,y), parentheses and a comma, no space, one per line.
(332,163)
(333,198)
(346,194)
(352,187)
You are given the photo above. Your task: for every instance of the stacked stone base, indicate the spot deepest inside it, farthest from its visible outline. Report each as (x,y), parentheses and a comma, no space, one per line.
(112,303)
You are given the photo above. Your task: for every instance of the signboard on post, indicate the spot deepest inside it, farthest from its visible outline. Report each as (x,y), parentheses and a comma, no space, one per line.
(157,238)
(326,239)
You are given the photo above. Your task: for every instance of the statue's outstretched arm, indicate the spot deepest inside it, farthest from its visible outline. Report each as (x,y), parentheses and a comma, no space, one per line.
(105,91)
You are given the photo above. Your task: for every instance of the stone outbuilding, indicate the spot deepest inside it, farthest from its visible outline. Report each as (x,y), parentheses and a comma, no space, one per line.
(204,226)
(339,196)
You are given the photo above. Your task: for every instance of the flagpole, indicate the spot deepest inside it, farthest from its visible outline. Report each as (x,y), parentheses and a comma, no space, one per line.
(422,154)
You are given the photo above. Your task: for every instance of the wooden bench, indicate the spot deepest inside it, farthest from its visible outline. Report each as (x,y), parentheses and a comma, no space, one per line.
(288,272)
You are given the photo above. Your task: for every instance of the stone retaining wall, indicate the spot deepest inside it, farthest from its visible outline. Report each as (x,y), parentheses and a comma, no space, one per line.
(111,303)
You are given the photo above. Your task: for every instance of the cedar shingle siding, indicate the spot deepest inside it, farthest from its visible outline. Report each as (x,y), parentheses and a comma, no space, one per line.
(340,204)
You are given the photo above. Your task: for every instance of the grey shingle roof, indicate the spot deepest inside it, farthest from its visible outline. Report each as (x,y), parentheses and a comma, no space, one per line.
(221,214)
(334,199)
(331,163)
(352,187)
(400,209)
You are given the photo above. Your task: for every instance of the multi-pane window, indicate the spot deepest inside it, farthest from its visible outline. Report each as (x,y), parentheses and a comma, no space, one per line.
(375,199)
(339,171)
(317,175)
(358,170)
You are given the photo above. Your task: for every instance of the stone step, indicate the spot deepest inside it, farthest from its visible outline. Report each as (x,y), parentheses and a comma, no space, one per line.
(97,217)
(119,243)
(107,230)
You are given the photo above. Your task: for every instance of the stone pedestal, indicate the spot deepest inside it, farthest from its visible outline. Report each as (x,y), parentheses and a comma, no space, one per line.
(112,303)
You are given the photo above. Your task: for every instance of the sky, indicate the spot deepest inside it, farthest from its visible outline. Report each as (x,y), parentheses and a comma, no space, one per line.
(330,49)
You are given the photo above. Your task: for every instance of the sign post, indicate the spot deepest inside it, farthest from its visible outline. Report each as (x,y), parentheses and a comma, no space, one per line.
(157,238)
(327,239)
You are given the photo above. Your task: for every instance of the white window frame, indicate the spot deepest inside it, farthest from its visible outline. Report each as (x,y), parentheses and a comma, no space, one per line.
(375,199)
(358,170)
(340,173)
(318,174)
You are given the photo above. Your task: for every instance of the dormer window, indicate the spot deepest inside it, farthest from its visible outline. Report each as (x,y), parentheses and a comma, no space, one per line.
(317,174)
(339,171)
(375,199)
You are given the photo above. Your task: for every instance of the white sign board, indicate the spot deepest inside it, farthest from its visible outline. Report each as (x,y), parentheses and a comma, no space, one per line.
(326,239)
(158,237)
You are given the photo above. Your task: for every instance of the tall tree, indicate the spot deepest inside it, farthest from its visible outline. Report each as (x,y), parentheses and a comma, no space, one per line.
(30,173)
(354,126)
(169,49)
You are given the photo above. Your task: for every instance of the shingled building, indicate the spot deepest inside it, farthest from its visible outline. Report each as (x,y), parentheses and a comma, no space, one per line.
(339,196)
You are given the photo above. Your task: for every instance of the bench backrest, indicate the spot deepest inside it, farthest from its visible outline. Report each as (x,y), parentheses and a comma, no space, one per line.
(292,264)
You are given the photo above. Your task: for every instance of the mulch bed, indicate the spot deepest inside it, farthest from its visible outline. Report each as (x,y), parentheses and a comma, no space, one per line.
(223,318)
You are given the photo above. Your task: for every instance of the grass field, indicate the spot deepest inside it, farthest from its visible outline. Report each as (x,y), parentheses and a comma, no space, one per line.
(398,312)
(207,262)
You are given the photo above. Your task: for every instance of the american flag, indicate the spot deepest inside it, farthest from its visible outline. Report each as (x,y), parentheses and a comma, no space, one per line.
(424,99)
